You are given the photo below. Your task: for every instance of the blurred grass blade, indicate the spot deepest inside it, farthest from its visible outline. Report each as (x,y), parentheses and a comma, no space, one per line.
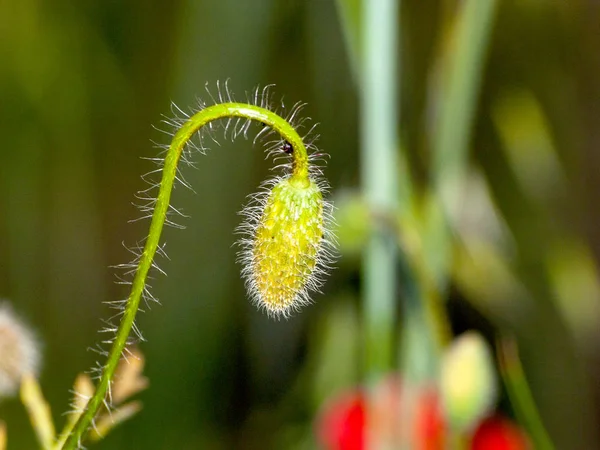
(379,119)
(524,131)
(452,134)
(520,394)
(38,411)
(459,96)
(349,12)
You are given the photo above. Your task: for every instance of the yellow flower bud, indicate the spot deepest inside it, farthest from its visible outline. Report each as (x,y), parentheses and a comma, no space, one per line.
(468,381)
(286,251)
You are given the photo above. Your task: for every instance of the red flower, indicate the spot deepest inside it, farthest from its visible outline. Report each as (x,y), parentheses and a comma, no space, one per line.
(343,421)
(342,424)
(430,425)
(497,433)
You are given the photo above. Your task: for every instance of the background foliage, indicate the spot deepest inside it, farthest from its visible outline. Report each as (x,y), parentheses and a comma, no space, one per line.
(82,82)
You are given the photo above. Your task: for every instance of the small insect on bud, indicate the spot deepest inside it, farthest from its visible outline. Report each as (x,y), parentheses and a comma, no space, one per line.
(19,354)
(285,253)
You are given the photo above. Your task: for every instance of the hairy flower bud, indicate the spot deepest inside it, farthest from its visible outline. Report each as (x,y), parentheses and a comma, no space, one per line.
(19,354)
(285,253)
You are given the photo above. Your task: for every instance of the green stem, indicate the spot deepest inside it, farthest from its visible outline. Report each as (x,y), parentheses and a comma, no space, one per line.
(379,162)
(183,135)
(349,12)
(382,167)
(520,394)
(458,104)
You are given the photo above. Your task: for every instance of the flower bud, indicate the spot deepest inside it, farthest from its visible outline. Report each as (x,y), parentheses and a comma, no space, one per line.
(19,354)
(285,255)
(467,381)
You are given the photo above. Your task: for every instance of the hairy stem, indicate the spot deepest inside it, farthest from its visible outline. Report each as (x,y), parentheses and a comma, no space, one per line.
(159,216)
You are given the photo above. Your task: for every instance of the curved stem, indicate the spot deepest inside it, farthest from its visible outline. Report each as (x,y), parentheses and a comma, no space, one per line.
(183,135)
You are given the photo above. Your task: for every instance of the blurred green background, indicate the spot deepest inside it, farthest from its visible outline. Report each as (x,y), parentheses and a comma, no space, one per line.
(82,83)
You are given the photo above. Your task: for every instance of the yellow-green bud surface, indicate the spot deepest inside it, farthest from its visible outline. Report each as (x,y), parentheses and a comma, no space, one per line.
(286,245)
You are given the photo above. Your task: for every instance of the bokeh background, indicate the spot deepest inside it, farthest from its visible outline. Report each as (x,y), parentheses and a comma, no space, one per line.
(82,83)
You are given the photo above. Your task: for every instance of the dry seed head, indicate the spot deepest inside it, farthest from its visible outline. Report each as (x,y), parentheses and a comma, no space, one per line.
(19,353)
(286,252)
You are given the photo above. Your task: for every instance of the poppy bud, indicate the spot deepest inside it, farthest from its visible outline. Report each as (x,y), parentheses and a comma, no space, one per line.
(468,381)
(285,254)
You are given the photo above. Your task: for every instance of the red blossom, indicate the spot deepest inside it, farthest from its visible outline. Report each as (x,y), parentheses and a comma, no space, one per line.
(342,424)
(498,433)
(343,421)
(430,425)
